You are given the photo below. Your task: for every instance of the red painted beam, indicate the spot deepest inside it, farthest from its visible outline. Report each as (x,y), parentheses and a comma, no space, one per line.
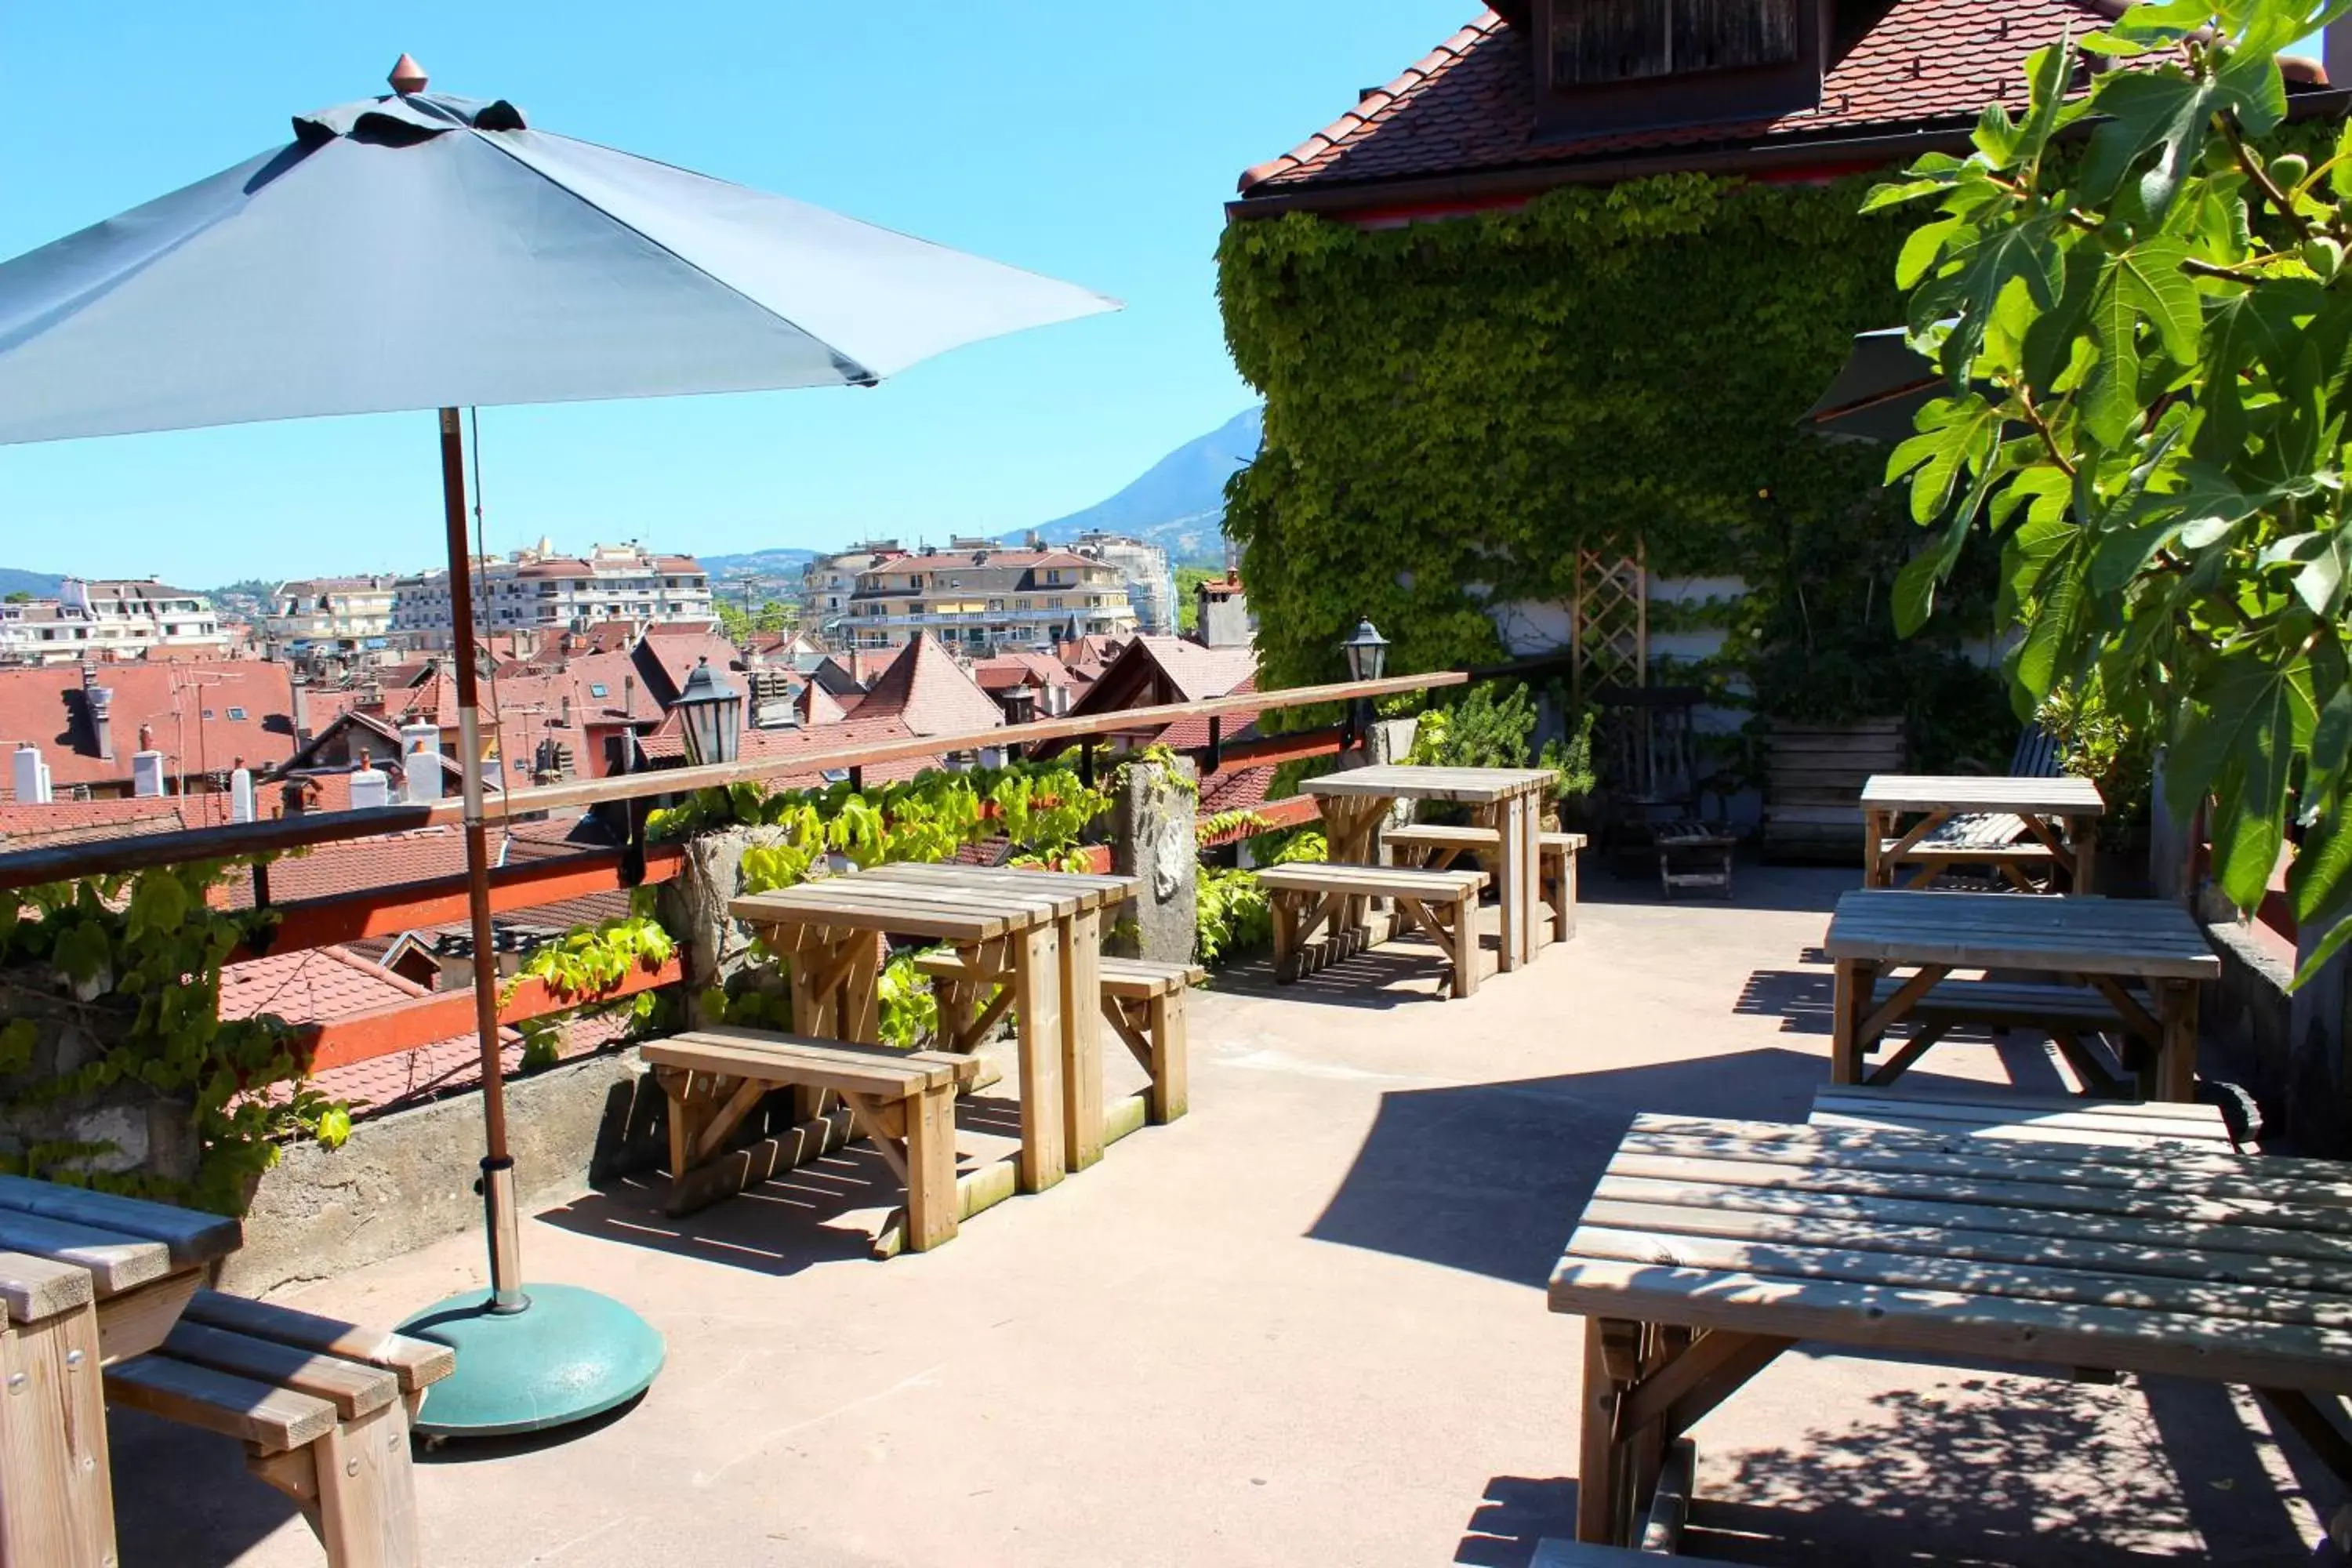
(1269,750)
(410,906)
(1295,812)
(405,1025)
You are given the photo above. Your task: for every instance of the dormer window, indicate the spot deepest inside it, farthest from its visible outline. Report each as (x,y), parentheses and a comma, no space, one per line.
(1619,65)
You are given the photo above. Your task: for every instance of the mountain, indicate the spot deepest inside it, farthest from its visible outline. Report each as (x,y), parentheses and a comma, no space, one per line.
(759,563)
(1179,504)
(40,585)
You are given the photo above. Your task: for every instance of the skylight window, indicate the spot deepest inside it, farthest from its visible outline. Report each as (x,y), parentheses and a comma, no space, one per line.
(237,715)
(596,689)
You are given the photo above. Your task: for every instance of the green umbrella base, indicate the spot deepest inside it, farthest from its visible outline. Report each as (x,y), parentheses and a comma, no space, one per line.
(570,1354)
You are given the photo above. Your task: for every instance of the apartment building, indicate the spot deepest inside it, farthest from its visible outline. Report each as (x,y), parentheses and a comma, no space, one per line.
(110,618)
(541,591)
(982,598)
(330,614)
(829,583)
(1150,579)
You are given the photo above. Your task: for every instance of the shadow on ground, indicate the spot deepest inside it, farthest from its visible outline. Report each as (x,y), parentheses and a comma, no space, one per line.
(1490,1177)
(183,1498)
(826,1211)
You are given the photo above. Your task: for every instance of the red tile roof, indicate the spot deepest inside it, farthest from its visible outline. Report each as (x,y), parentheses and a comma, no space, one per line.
(82,821)
(44,705)
(1470,104)
(927,691)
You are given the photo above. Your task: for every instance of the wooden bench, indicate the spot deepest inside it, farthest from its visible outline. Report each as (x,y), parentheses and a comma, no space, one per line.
(1142,1001)
(1432,846)
(2065,1013)
(903,1100)
(1557,852)
(323,1407)
(1306,895)
(1994,1113)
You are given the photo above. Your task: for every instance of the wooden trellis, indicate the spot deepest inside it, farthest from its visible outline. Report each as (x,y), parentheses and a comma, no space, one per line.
(1609,620)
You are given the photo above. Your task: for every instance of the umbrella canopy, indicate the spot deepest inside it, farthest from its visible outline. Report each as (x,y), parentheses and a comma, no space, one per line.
(423,251)
(426,252)
(1882,385)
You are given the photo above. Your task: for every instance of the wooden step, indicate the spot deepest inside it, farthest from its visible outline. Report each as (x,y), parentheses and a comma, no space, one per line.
(272,1419)
(416,1362)
(1142,978)
(769,1056)
(1371,881)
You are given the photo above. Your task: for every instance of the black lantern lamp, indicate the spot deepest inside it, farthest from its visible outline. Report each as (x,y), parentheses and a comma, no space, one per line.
(1368,654)
(712,713)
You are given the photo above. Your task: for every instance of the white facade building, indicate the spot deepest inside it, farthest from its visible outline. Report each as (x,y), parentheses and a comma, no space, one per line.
(1151,580)
(110,619)
(340,615)
(538,590)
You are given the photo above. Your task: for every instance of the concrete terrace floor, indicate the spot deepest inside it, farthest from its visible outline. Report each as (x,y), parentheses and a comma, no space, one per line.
(1303,1325)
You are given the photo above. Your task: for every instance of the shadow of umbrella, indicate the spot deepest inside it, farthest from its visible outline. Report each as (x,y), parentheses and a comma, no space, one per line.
(423,251)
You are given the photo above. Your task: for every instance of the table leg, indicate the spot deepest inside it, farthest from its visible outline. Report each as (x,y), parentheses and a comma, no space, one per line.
(1514,893)
(1080,937)
(2176,1058)
(1877,826)
(57,1499)
(1532,869)
(2083,833)
(1037,1005)
(1603,1516)
(1855,976)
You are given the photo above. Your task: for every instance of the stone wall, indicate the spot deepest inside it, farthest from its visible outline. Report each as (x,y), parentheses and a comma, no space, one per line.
(406,1180)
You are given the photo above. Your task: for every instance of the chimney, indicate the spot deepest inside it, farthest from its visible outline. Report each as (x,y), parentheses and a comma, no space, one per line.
(146,737)
(629,697)
(370,790)
(420,753)
(147,774)
(240,795)
(567,709)
(99,701)
(32,776)
(301,712)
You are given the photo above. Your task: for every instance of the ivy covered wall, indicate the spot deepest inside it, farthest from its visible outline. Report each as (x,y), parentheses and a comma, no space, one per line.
(1453,407)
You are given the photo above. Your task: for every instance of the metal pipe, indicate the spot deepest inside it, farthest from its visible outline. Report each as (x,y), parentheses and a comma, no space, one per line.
(497,1169)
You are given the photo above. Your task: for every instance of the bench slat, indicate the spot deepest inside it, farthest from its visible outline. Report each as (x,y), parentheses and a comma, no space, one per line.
(1372,882)
(116,1262)
(1981,1000)
(1444,838)
(416,1362)
(35,1287)
(1559,841)
(354,1388)
(193,1237)
(274,1419)
(1142,979)
(796,1058)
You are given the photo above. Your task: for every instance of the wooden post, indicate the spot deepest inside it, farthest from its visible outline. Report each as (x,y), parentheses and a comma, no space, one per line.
(1852,1003)
(1877,826)
(2176,1061)
(2082,838)
(367,1491)
(1170,1095)
(931,1168)
(1516,893)
(1466,945)
(1037,1002)
(1530,814)
(1080,938)
(56,1503)
(1599,1471)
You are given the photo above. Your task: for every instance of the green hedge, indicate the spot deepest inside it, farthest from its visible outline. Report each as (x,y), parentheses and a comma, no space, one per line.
(1453,407)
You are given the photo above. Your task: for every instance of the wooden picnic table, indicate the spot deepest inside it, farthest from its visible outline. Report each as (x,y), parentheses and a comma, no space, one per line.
(2006,821)
(2106,945)
(1508,800)
(1711,1246)
(88,1280)
(1037,934)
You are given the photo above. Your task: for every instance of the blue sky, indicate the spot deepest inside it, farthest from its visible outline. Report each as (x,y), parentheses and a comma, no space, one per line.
(1092,142)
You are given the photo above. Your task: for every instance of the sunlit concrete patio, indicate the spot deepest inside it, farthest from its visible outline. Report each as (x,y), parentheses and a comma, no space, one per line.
(1305,1325)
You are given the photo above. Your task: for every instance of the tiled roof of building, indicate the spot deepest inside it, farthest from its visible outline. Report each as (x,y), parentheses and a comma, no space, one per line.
(1470,104)
(670,658)
(206,716)
(83,821)
(1008,671)
(927,691)
(1235,789)
(817,707)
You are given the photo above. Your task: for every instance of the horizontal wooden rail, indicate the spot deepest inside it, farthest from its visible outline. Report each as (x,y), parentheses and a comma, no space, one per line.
(1269,751)
(410,906)
(449,1015)
(27,868)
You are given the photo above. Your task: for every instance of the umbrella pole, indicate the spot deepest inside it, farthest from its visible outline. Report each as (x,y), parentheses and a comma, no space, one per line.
(497,1166)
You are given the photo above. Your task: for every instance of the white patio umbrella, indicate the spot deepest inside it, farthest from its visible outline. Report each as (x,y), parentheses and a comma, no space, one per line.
(422,251)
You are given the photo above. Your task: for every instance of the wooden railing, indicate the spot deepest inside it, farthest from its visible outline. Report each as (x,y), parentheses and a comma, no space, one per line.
(391,909)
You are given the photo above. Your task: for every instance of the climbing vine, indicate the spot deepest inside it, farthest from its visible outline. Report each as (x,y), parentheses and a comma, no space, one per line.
(1453,408)
(133,962)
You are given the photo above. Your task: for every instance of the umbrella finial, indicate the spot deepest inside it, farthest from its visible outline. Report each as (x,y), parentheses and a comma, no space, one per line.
(407,77)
